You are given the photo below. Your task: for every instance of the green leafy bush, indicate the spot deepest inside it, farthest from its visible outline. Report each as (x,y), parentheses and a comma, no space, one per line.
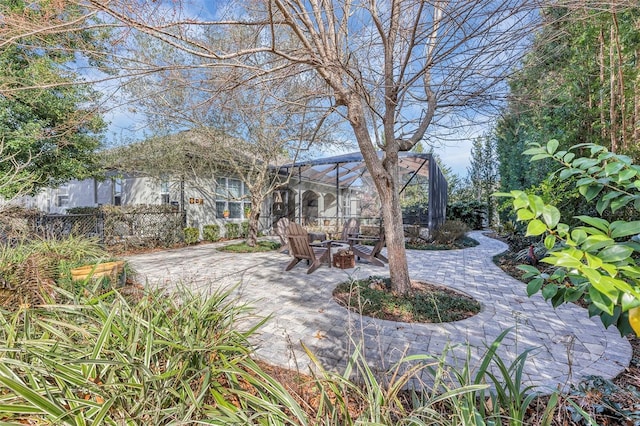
(244,229)
(191,235)
(84,210)
(449,232)
(472,213)
(597,260)
(211,232)
(232,231)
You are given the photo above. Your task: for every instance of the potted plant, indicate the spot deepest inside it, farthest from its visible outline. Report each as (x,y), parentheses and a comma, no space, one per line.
(225,214)
(247,212)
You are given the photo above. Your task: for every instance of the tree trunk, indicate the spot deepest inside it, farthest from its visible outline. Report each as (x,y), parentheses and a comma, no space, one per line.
(612,95)
(394,237)
(620,64)
(636,100)
(254,221)
(601,109)
(385,175)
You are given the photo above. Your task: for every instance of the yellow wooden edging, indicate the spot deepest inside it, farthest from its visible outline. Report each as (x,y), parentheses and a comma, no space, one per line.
(99,270)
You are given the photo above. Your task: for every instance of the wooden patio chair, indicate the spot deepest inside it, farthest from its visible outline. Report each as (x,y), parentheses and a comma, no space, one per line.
(351,229)
(369,253)
(282,227)
(300,249)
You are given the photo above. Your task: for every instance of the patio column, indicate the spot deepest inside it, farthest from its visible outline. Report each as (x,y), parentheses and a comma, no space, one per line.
(299,203)
(337,196)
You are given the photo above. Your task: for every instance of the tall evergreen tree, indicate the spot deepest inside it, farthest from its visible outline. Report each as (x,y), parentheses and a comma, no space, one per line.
(580,83)
(483,173)
(49,121)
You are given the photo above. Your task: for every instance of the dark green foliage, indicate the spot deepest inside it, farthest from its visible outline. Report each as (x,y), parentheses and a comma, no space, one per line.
(563,90)
(450,232)
(191,235)
(84,210)
(435,305)
(472,213)
(244,229)
(232,231)
(461,243)
(483,174)
(211,232)
(49,121)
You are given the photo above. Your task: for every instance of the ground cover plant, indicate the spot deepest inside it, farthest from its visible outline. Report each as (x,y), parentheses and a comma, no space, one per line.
(243,247)
(460,243)
(425,303)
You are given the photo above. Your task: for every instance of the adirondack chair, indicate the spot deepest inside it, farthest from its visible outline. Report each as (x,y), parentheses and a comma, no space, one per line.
(282,227)
(369,253)
(300,249)
(351,229)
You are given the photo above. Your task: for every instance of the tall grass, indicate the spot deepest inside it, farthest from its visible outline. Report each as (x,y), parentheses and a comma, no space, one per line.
(157,361)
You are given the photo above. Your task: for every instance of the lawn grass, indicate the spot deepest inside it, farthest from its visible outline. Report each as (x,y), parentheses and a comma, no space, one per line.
(261,246)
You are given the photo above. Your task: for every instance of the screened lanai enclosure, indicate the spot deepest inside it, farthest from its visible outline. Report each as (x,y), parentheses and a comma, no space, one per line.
(326,192)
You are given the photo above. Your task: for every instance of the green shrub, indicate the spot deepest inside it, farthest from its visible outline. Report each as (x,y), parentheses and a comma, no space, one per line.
(245,229)
(472,213)
(83,210)
(449,232)
(191,235)
(598,260)
(211,232)
(232,231)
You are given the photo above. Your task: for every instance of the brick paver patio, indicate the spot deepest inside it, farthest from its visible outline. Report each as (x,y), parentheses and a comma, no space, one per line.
(565,343)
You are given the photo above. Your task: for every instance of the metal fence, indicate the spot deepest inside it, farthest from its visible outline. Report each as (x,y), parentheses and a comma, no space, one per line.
(112,228)
(60,226)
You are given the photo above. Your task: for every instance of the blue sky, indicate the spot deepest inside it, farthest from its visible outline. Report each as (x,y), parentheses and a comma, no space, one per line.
(453,148)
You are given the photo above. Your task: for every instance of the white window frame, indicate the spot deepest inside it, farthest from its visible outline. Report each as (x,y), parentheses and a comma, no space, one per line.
(118,186)
(236,205)
(165,197)
(62,199)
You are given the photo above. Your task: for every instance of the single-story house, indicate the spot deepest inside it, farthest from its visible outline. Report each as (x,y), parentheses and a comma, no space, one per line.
(319,193)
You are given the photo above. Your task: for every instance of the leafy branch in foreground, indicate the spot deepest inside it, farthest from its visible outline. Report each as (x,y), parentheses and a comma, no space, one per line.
(599,259)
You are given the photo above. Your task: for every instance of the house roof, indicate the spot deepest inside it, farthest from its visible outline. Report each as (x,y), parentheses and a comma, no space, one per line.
(348,170)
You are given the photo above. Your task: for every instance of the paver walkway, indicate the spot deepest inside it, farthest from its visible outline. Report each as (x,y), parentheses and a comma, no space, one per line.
(565,343)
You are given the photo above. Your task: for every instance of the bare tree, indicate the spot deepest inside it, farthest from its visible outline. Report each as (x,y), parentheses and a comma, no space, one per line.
(244,123)
(392,69)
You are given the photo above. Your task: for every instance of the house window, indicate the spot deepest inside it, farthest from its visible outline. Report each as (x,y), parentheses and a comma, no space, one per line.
(117,191)
(164,191)
(63,196)
(233,196)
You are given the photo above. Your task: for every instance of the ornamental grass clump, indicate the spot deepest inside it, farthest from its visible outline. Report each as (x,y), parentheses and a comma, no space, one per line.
(31,272)
(158,360)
